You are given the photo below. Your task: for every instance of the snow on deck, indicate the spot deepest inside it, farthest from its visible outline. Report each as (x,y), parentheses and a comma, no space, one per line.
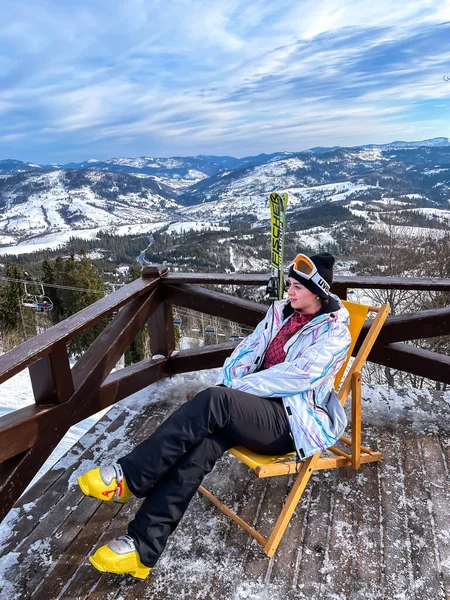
(380,532)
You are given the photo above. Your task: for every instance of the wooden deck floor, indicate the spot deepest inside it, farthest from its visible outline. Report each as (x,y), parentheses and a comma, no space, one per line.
(383,532)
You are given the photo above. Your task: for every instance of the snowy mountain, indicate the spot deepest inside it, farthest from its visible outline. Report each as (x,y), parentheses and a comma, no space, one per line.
(17,166)
(66,200)
(313,179)
(439,141)
(131,194)
(176,173)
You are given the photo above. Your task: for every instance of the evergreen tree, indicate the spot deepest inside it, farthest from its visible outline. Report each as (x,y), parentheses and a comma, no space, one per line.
(10,299)
(82,274)
(58,313)
(49,277)
(16,321)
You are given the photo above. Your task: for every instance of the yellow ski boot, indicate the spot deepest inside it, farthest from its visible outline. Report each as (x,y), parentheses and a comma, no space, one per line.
(105,483)
(120,556)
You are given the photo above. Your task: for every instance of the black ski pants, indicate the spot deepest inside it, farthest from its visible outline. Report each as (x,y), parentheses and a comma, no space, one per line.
(168,467)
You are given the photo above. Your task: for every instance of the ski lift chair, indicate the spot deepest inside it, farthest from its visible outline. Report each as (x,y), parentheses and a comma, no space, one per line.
(234,335)
(38,302)
(210,327)
(29,301)
(274,466)
(44,304)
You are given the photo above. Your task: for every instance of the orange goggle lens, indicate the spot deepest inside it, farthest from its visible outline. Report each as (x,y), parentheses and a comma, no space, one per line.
(304,265)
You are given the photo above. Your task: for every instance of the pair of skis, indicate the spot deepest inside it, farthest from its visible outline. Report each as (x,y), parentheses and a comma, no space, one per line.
(278,205)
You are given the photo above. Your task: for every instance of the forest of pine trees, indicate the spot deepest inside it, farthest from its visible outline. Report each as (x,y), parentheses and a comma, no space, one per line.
(19,322)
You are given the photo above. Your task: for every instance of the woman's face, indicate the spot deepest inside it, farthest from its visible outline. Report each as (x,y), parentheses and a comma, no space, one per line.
(301,298)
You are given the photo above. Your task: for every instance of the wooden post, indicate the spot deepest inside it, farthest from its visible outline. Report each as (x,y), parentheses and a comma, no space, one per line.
(154,270)
(340,289)
(51,377)
(161,330)
(160,325)
(356,420)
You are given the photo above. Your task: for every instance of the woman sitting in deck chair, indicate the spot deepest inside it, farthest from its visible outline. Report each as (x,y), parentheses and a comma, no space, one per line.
(274,396)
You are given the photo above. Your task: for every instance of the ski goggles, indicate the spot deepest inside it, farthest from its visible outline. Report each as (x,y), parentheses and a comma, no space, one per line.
(305,268)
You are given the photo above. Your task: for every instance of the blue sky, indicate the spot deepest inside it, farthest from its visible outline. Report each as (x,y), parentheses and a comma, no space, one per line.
(97,78)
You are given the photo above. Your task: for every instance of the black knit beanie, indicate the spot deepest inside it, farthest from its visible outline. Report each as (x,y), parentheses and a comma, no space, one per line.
(324,263)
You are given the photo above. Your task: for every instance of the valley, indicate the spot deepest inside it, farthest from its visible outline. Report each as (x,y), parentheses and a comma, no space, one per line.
(211,212)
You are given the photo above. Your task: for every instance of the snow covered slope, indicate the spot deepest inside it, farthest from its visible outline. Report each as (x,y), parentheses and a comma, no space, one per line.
(341,184)
(331,176)
(298,171)
(65,200)
(245,198)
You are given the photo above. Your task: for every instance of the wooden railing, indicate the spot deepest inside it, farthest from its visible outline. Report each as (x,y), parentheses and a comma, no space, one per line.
(65,396)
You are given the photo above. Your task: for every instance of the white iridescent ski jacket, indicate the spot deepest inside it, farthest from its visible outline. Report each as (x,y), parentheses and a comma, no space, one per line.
(305,379)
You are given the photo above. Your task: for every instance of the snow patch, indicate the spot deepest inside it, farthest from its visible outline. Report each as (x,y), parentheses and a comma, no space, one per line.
(8,561)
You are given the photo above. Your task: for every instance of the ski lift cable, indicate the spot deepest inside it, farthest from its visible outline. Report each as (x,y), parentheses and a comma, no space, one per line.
(223,323)
(54,285)
(185,312)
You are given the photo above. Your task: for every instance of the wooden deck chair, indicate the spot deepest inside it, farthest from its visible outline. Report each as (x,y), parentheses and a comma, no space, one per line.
(273,466)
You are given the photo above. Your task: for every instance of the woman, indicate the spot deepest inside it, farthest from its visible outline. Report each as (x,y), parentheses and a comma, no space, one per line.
(274,396)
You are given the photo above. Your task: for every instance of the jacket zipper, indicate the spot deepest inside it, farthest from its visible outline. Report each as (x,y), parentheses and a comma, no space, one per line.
(260,359)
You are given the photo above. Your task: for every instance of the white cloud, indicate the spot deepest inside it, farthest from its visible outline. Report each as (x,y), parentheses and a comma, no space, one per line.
(201,73)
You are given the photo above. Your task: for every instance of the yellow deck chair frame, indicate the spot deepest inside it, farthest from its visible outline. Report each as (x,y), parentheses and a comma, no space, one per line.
(273,466)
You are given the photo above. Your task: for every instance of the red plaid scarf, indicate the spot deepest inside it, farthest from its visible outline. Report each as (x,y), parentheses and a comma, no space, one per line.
(275,353)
